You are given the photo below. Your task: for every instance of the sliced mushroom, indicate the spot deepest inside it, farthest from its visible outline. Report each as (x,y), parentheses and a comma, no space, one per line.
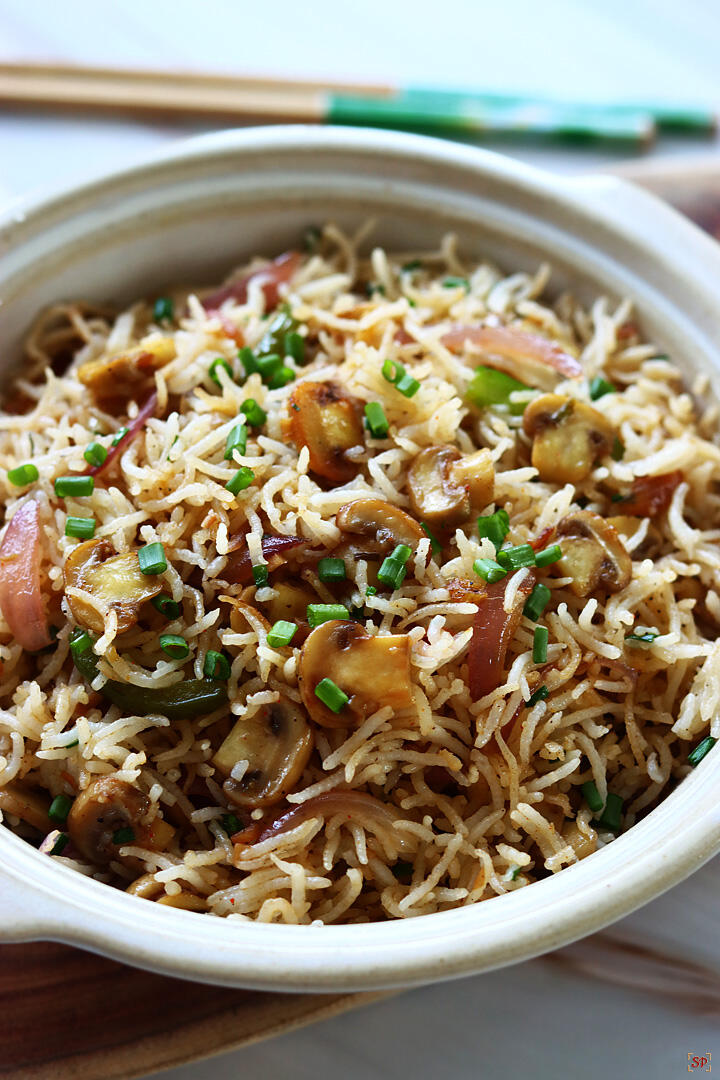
(593,554)
(328,421)
(373,670)
(568,437)
(444,486)
(290,602)
(105,807)
(28,805)
(384,525)
(116,379)
(276,744)
(148,887)
(115,581)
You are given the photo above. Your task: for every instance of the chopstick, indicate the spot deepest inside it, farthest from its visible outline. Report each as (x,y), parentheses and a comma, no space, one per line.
(194,95)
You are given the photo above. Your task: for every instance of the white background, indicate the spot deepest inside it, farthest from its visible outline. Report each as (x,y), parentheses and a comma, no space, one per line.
(534,1020)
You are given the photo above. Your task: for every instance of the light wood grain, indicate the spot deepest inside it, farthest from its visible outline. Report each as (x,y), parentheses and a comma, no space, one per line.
(70,1015)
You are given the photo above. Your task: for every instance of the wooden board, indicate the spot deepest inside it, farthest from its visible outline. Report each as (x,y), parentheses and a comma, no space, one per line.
(68,1014)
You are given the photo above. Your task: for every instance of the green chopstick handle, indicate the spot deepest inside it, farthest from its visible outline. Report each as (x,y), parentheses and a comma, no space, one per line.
(470,114)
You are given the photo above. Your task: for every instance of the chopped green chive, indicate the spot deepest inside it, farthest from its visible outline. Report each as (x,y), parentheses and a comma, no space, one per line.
(495,527)
(260,575)
(123,836)
(242,479)
(377,421)
(548,555)
(540,644)
(643,634)
(216,666)
(59,809)
(74,485)
(435,545)
(119,435)
(166,606)
(536,602)
(488,570)
(221,362)
(163,309)
(95,454)
(23,474)
(281,634)
(254,415)
(374,287)
(231,824)
(331,695)
(152,559)
(331,570)
(274,339)
(248,360)
(311,239)
(174,645)
(268,365)
(236,440)
(371,590)
(591,796)
(80,642)
(408,267)
(599,387)
(392,572)
(491,387)
(514,558)
(541,694)
(611,815)
(281,378)
(61,842)
(456,283)
(395,373)
(80,528)
(695,756)
(618,449)
(320,613)
(295,347)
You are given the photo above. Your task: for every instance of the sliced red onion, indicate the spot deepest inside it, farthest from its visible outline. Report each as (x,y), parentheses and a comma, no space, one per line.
(21,597)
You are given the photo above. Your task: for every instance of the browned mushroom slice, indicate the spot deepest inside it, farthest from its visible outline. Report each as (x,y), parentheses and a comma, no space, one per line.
(115,581)
(568,437)
(28,805)
(328,421)
(290,602)
(116,379)
(384,525)
(106,807)
(444,486)
(276,744)
(373,670)
(593,554)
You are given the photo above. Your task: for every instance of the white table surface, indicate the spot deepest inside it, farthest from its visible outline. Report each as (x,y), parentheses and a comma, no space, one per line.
(535,1020)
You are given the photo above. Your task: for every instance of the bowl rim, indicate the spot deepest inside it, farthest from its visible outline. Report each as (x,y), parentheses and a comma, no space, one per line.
(43,899)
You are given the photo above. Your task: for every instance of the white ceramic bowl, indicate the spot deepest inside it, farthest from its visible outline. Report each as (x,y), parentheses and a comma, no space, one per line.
(193,213)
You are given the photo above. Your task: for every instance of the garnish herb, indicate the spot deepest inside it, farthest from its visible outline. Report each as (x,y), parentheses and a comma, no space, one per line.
(80,642)
(541,694)
(331,570)
(491,387)
(320,613)
(120,434)
(231,824)
(643,634)
(392,572)
(281,634)
(260,575)
(254,415)
(295,346)
(514,558)
(704,747)
(216,666)
(536,602)
(282,377)
(174,645)
(540,644)
(456,283)
(495,527)
(488,570)
(61,842)
(80,528)
(592,796)
(242,479)
(394,372)
(123,836)
(435,545)
(152,559)
(236,440)
(23,474)
(331,695)
(95,454)
(611,815)
(59,809)
(166,606)
(221,362)
(618,449)
(599,387)
(548,555)
(376,420)
(163,309)
(74,485)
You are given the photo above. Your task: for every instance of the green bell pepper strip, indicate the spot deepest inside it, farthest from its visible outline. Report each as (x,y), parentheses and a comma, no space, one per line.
(183,701)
